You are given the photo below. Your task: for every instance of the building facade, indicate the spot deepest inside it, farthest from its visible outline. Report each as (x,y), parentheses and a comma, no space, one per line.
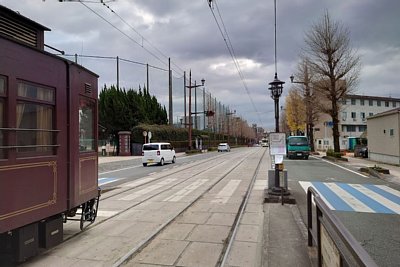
(384,137)
(354,111)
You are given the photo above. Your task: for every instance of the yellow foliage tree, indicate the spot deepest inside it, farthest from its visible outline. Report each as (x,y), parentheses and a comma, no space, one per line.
(295,111)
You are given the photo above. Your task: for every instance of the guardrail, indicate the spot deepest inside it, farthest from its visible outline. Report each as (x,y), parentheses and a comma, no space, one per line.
(335,244)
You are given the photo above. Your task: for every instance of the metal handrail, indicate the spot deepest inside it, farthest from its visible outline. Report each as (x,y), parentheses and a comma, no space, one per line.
(326,216)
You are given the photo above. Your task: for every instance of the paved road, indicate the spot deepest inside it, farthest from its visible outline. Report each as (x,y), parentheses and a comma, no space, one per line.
(369,207)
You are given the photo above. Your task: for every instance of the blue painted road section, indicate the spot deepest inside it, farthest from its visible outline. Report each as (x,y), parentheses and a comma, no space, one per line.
(355,197)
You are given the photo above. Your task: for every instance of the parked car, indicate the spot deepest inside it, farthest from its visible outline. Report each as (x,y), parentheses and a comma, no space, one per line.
(224,147)
(363,152)
(158,153)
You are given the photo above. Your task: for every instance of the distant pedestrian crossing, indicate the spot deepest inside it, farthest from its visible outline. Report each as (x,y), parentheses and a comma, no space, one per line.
(357,197)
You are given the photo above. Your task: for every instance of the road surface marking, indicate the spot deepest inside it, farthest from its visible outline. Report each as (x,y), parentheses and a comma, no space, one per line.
(357,197)
(147,190)
(185,191)
(224,195)
(107,180)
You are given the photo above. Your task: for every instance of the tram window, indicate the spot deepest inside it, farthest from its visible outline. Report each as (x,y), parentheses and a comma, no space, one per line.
(86,125)
(34,116)
(2,123)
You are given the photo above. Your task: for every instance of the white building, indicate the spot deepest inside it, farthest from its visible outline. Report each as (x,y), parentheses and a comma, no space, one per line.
(384,136)
(354,111)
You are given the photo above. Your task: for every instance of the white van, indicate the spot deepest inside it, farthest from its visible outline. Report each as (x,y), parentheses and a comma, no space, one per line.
(158,153)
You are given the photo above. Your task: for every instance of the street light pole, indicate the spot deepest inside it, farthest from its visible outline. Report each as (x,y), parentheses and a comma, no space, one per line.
(276,87)
(190,86)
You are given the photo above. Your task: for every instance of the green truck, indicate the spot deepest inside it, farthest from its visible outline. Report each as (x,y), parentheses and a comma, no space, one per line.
(297,147)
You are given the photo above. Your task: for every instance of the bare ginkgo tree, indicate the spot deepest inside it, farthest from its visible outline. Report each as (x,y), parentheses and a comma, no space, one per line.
(334,64)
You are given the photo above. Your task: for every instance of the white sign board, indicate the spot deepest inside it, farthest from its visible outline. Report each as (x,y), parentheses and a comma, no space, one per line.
(277,143)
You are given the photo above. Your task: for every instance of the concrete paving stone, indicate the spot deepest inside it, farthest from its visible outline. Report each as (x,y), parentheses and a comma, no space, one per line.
(221,219)
(136,264)
(175,206)
(151,205)
(130,215)
(159,217)
(254,218)
(125,228)
(51,260)
(201,206)
(74,247)
(254,207)
(193,217)
(200,254)
(244,254)
(113,204)
(161,251)
(289,256)
(226,208)
(249,233)
(209,233)
(86,263)
(177,231)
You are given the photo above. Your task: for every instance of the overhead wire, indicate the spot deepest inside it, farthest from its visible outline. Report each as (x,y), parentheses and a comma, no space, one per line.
(141,36)
(129,37)
(231,50)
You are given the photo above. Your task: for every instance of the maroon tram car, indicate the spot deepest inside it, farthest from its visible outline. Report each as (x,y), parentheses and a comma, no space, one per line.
(48,140)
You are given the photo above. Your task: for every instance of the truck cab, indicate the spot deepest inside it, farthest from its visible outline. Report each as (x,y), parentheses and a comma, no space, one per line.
(298,147)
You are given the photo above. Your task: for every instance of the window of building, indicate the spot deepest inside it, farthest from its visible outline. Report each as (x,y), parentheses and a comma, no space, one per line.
(362,128)
(326,142)
(344,115)
(2,116)
(371,102)
(391,132)
(387,104)
(86,124)
(343,101)
(35,118)
(353,115)
(362,115)
(378,103)
(371,114)
(362,102)
(394,104)
(353,101)
(351,128)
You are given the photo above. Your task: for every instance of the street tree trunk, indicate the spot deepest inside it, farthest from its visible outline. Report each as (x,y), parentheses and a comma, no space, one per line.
(334,65)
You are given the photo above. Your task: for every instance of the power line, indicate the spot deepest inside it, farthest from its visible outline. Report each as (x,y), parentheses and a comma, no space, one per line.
(229,46)
(141,36)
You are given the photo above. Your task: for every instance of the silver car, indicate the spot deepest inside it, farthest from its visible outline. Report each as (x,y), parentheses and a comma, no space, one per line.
(224,147)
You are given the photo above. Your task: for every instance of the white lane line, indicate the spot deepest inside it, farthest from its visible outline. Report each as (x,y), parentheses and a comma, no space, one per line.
(344,168)
(186,191)
(226,192)
(147,190)
(377,197)
(352,201)
(120,170)
(306,185)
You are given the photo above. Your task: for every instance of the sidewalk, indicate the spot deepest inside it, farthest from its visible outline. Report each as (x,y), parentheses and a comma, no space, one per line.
(357,163)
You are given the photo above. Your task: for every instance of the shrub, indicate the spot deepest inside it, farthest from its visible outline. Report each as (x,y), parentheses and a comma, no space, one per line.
(331,153)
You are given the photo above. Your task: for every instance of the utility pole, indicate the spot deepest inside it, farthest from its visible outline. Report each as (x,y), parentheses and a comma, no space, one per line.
(170,93)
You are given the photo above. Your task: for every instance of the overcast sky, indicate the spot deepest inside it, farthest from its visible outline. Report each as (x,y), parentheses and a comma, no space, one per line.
(186,32)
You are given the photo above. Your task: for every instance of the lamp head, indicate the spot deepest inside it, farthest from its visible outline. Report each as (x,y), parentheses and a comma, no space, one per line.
(202,82)
(291,79)
(276,87)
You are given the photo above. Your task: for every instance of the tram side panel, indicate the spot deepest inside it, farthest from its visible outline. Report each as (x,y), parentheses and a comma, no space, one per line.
(83,132)
(33,179)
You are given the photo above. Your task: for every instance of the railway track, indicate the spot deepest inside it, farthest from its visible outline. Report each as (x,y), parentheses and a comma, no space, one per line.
(177,191)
